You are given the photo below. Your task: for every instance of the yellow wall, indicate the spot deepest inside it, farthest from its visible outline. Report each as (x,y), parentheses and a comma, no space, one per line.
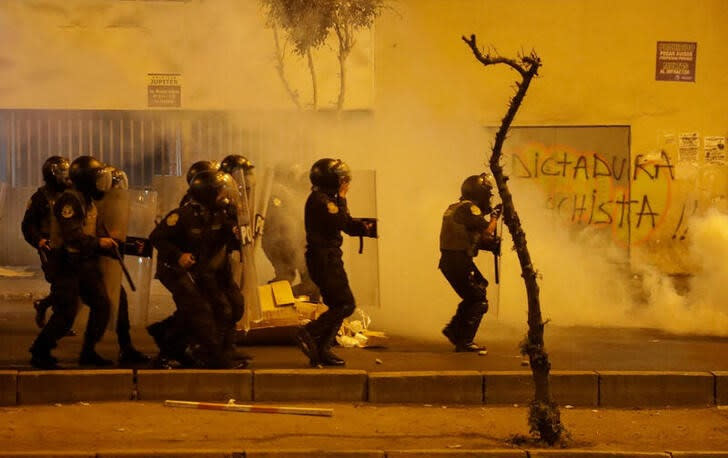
(598,69)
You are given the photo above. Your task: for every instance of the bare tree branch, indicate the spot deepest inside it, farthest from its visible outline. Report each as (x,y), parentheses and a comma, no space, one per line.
(544,417)
(487,59)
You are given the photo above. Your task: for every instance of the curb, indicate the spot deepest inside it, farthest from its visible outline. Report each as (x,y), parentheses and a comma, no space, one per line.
(575,388)
(314,453)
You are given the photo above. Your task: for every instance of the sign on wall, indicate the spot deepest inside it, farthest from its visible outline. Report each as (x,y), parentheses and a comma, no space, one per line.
(675,61)
(164,90)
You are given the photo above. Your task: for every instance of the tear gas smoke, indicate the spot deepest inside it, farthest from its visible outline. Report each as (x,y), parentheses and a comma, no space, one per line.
(78,52)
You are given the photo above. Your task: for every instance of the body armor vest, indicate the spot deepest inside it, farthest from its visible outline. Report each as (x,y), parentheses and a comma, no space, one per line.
(51,197)
(454,236)
(90,214)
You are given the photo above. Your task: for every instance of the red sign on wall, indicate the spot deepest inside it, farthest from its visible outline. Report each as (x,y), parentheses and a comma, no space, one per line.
(675,61)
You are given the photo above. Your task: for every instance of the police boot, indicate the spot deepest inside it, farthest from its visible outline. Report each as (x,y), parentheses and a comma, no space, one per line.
(89,357)
(449,332)
(308,346)
(161,362)
(42,359)
(329,358)
(469,347)
(326,356)
(130,356)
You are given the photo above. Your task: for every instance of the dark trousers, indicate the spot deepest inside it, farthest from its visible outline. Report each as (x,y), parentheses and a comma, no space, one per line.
(75,278)
(46,302)
(327,271)
(467,281)
(208,306)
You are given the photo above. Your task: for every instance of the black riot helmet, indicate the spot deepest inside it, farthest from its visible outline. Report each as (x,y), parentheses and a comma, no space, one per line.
(329,174)
(478,189)
(208,186)
(55,172)
(90,176)
(200,166)
(235,162)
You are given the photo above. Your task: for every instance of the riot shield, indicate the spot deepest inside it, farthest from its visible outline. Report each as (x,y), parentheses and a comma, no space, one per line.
(138,252)
(284,238)
(361,256)
(112,221)
(168,191)
(252,207)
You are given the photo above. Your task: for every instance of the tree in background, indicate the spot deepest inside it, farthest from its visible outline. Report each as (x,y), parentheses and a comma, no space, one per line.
(543,418)
(308,23)
(349,16)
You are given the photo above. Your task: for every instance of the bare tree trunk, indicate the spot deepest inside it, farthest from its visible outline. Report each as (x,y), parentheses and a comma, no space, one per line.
(346,41)
(544,418)
(281,70)
(314,84)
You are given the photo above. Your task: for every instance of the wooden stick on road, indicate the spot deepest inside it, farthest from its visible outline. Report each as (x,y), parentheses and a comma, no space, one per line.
(251,408)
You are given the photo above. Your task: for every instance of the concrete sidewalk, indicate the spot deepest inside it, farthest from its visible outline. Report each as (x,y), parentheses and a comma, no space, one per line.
(569,388)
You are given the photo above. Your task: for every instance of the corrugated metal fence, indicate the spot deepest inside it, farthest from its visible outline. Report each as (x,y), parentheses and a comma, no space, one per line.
(143,143)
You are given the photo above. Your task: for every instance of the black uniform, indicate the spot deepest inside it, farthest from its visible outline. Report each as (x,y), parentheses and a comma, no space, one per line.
(284,240)
(461,236)
(76,274)
(326,215)
(36,226)
(208,301)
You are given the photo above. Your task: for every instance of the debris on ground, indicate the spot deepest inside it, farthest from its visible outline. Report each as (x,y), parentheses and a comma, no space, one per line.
(316,411)
(356,333)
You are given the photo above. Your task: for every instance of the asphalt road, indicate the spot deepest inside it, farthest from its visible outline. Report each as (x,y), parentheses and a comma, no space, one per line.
(151,426)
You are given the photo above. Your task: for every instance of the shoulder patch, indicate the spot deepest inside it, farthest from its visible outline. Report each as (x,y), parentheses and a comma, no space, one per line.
(332,208)
(67,211)
(277,202)
(172,219)
(475,210)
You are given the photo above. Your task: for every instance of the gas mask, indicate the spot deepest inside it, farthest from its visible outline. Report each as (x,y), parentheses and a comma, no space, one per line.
(103,181)
(119,180)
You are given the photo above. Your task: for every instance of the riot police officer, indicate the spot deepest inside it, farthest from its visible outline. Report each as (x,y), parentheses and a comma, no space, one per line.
(239,166)
(75,248)
(110,212)
(326,215)
(197,167)
(193,243)
(233,162)
(36,225)
(465,231)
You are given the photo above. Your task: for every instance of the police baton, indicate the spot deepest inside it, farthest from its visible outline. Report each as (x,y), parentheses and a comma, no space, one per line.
(43,256)
(117,255)
(497,250)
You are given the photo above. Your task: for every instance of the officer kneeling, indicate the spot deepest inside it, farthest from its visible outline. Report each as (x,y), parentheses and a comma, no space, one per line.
(193,243)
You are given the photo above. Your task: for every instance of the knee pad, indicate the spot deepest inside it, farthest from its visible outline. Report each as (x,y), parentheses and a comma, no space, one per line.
(348,309)
(482,307)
